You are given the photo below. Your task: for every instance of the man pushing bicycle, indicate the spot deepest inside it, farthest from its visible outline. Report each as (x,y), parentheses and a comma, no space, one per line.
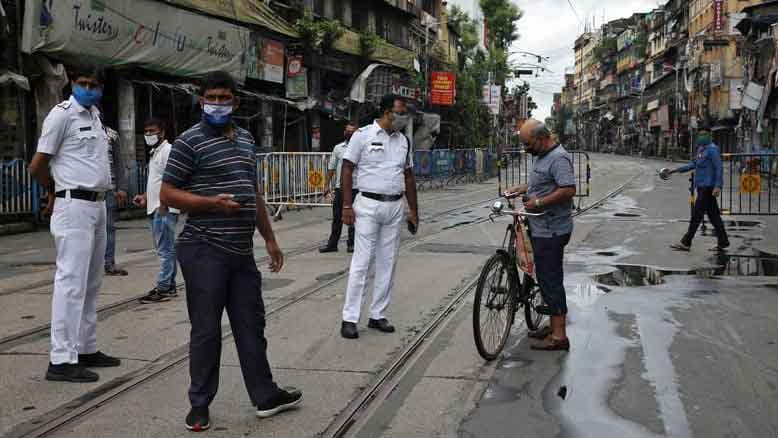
(551,189)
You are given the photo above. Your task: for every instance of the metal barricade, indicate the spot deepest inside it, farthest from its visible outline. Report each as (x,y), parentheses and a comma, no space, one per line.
(423,169)
(19,193)
(750,184)
(292,179)
(515,166)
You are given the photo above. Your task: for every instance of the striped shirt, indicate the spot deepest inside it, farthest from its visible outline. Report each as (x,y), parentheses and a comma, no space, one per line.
(206,163)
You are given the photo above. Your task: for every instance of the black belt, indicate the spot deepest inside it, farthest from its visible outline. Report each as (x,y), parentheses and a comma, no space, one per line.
(381,197)
(84,195)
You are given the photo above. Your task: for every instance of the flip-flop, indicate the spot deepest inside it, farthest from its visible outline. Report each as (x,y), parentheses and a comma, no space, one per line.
(553,345)
(680,247)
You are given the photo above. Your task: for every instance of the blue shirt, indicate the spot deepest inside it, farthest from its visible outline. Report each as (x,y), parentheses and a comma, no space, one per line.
(708,170)
(206,163)
(551,171)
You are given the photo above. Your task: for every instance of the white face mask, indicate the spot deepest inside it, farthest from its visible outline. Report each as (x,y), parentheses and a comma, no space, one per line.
(151,140)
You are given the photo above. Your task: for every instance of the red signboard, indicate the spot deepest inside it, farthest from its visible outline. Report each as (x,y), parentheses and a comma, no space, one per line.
(718,16)
(294,67)
(442,88)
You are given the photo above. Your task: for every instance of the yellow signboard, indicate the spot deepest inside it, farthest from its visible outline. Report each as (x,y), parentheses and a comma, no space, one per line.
(315,179)
(750,183)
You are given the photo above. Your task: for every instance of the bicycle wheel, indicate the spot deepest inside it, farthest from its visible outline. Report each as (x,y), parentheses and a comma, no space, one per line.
(530,299)
(494,306)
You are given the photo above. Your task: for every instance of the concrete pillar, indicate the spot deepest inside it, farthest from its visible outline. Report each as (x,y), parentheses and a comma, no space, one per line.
(346,12)
(329,9)
(267,126)
(126,129)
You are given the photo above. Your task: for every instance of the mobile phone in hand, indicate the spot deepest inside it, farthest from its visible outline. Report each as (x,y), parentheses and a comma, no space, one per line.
(412,228)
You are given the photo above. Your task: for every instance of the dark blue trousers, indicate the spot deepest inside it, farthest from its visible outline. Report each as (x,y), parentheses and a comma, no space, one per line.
(549,257)
(216,280)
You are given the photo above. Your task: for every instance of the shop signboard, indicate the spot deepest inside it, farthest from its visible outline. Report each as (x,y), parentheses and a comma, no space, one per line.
(265,60)
(296,78)
(442,88)
(144,33)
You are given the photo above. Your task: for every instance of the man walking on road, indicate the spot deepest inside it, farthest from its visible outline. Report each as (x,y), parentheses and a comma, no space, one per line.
(211,174)
(551,189)
(114,198)
(334,169)
(72,162)
(163,219)
(708,179)
(382,156)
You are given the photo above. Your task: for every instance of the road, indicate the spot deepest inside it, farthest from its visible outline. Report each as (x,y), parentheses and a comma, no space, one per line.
(693,355)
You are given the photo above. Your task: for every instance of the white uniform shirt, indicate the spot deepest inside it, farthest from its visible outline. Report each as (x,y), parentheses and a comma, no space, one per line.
(157,165)
(381,159)
(77,141)
(336,164)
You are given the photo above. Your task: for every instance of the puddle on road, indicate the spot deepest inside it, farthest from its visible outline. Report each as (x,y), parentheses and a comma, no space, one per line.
(734,265)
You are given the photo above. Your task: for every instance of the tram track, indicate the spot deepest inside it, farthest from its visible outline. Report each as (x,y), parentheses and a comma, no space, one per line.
(82,406)
(355,414)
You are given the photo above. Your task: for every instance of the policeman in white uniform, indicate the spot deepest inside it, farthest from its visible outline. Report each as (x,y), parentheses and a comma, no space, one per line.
(382,156)
(72,162)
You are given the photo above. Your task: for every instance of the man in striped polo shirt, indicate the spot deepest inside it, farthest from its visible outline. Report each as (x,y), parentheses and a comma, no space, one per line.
(211,174)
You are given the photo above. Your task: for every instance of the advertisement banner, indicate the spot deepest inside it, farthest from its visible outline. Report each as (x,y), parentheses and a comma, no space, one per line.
(442,88)
(718,15)
(491,98)
(296,78)
(265,60)
(145,33)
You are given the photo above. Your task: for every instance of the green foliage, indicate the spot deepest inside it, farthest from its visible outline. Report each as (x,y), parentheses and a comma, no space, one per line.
(368,42)
(318,35)
(605,50)
(501,17)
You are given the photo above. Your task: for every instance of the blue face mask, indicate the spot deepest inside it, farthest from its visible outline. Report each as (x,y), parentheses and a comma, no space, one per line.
(85,97)
(217,115)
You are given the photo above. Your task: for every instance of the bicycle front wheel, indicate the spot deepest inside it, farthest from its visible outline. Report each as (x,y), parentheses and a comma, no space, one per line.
(494,306)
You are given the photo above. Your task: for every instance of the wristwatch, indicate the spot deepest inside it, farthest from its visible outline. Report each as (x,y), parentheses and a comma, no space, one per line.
(538,203)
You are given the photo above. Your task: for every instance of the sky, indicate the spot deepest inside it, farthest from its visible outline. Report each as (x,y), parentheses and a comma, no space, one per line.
(550,27)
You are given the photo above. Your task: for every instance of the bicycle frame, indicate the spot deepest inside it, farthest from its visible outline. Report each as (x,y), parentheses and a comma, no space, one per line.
(520,226)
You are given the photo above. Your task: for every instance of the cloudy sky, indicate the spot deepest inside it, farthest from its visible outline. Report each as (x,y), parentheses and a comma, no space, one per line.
(549,28)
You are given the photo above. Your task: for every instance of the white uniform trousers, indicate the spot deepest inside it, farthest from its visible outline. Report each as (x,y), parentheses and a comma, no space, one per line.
(79,234)
(378,225)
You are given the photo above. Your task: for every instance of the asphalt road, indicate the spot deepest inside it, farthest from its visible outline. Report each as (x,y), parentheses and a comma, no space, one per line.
(693,355)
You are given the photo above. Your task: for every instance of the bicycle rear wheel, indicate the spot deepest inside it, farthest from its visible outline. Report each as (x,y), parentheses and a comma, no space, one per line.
(494,306)
(531,298)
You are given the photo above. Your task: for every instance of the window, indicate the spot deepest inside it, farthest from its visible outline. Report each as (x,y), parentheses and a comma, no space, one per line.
(318,7)
(358,18)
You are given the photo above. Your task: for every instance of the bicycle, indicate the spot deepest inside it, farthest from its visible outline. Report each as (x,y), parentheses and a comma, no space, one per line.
(507,282)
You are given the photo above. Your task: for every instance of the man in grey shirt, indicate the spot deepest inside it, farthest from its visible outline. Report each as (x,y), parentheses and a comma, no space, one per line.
(334,166)
(114,198)
(550,190)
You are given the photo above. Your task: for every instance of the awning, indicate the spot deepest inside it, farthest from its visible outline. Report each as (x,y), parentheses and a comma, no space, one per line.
(244,11)
(7,77)
(359,88)
(762,22)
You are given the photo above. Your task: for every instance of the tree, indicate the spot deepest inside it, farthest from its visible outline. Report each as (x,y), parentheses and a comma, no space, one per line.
(501,17)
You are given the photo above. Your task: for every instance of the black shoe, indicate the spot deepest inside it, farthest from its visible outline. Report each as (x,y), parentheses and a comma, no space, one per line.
(351,249)
(197,420)
(285,399)
(154,296)
(325,249)
(98,360)
(170,292)
(380,325)
(349,330)
(70,372)
(113,271)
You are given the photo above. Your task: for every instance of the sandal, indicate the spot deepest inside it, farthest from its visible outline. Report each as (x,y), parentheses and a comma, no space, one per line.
(680,247)
(553,345)
(540,333)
